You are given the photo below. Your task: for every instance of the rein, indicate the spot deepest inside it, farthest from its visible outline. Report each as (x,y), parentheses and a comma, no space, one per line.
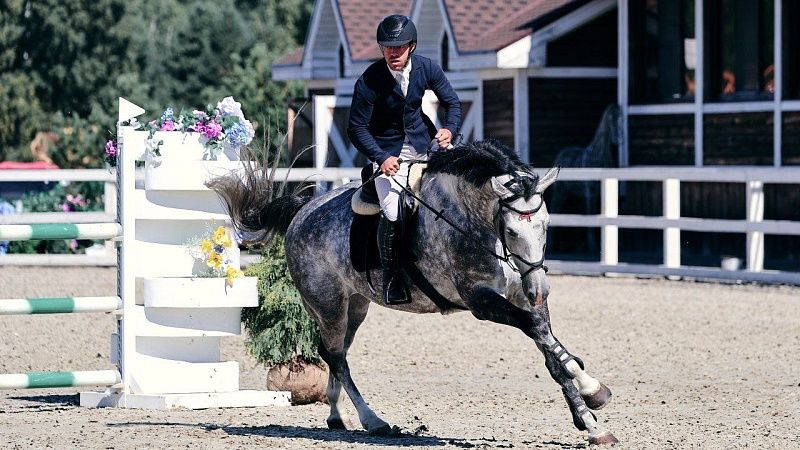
(499,224)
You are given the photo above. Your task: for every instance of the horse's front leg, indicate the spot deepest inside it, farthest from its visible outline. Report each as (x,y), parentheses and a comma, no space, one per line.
(486,304)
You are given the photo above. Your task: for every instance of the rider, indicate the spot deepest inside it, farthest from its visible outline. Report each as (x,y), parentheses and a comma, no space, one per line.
(388,126)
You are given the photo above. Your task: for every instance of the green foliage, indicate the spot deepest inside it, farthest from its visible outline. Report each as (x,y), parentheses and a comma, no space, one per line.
(279,329)
(63,65)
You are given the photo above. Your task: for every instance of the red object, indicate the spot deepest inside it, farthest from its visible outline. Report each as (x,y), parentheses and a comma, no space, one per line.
(17,165)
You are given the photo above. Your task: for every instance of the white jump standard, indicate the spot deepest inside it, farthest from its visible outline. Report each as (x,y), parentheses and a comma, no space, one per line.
(168,341)
(167,345)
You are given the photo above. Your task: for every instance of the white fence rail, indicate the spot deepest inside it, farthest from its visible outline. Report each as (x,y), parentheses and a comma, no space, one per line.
(609,221)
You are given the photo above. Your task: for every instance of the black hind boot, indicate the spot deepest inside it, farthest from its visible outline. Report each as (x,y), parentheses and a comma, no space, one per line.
(394,288)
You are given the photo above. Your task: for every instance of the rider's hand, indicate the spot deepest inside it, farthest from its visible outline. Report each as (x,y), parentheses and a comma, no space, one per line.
(443,137)
(390,166)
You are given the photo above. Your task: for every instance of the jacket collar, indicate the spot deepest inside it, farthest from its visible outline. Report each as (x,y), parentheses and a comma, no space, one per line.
(416,65)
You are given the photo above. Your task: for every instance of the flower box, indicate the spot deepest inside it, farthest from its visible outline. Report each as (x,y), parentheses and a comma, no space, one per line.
(214,134)
(188,146)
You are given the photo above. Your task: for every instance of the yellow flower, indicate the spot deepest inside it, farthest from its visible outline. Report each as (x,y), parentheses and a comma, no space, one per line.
(221,237)
(214,261)
(231,273)
(207,246)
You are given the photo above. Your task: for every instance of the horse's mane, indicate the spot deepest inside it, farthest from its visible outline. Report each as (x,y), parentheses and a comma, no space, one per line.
(477,162)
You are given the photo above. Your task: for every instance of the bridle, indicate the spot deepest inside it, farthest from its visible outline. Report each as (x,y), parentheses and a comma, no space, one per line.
(499,224)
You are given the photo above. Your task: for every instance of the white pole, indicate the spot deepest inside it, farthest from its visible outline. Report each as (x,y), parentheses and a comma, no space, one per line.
(609,208)
(672,210)
(755,213)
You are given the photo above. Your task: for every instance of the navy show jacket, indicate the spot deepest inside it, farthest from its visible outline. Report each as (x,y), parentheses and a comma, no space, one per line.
(380,117)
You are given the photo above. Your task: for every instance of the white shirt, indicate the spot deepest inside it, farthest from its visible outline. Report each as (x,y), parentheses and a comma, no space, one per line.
(402,76)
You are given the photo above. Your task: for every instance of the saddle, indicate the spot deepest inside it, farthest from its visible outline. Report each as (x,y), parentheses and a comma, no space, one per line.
(364,230)
(364,254)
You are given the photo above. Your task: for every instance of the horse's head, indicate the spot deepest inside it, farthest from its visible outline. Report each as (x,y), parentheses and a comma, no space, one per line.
(522,222)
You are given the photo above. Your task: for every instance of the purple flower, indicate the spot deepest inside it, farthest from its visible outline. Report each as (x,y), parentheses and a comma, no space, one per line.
(212,129)
(111,148)
(168,125)
(66,207)
(76,199)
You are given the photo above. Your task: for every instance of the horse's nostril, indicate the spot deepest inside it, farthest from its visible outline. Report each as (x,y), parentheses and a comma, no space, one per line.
(537,297)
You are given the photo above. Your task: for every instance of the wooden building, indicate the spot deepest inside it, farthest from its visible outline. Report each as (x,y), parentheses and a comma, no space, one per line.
(699,83)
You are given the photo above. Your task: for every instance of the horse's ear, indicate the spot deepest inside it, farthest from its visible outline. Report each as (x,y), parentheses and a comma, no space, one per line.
(497,185)
(548,179)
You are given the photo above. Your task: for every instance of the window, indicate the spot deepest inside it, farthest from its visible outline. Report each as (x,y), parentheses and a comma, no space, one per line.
(791,49)
(662,51)
(445,53)
(740,49)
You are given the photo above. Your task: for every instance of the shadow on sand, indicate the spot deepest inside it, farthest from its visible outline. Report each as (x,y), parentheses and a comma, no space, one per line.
(398,439)
(54,399)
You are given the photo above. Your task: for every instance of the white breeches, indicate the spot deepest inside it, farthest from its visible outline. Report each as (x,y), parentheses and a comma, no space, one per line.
(388,190)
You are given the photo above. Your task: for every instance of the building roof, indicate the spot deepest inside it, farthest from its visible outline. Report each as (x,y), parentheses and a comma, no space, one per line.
(489,25)
(477,25)
(361,19)
(294,58)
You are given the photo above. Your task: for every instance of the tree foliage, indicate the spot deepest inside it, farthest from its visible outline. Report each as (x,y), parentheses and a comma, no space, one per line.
(63,65)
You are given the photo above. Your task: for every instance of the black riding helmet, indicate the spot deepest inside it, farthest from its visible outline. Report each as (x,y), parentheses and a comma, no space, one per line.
(396,30)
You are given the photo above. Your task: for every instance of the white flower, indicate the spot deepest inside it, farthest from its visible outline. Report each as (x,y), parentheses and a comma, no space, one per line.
(230,107)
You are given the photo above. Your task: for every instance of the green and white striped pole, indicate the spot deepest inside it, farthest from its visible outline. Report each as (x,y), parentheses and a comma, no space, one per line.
(35,380)
(50,231)
(58,305)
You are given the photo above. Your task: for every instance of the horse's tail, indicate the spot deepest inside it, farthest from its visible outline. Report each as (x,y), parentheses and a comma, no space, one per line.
(253,204)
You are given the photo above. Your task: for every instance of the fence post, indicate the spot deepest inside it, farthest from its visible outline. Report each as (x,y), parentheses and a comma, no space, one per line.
(672,210)
(755,213)
(609,234)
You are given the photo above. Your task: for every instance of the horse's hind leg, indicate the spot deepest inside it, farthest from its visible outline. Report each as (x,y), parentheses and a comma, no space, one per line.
(486,304)
(337,328)
(357,312)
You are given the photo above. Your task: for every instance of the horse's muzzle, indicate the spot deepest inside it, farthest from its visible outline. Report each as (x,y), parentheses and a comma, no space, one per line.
(536,287)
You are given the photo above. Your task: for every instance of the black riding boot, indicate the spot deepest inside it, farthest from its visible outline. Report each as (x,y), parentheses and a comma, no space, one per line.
(394,289)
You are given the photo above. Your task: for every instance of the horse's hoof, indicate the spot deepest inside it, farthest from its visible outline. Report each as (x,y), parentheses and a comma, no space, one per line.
(599,399)
(336,424)
(604,438)
(382,430)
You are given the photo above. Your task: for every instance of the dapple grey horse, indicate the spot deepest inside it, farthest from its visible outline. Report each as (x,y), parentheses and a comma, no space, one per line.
(486,256)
